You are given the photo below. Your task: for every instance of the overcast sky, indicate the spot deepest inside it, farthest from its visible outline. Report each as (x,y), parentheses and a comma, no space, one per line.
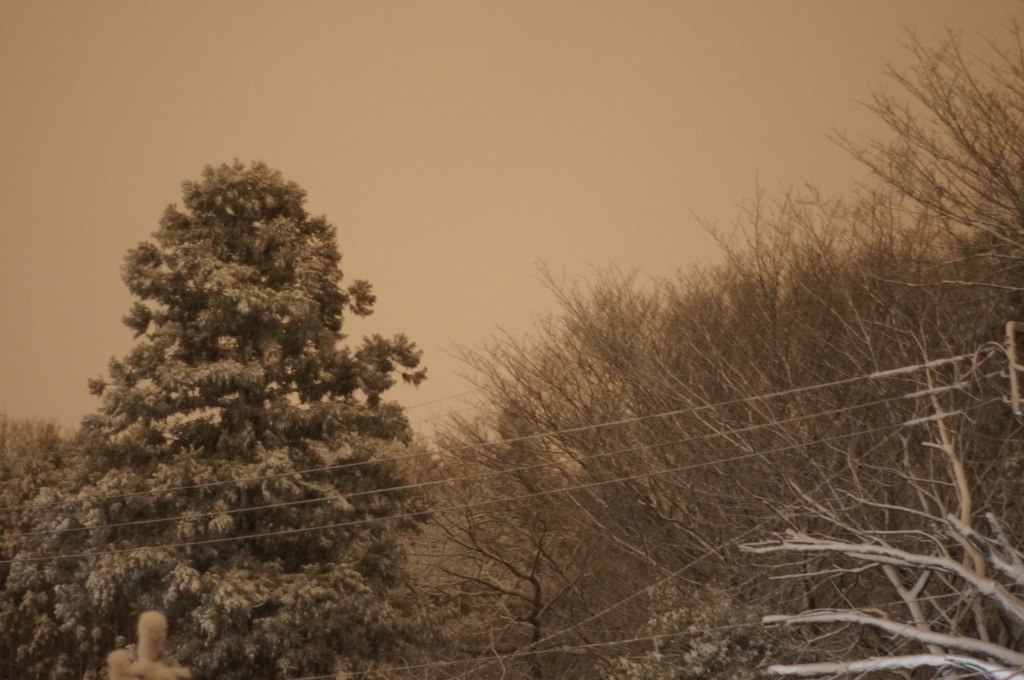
(455,145)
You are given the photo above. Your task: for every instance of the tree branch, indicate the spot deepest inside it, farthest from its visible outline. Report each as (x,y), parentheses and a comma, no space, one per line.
(904,630)
(896,663)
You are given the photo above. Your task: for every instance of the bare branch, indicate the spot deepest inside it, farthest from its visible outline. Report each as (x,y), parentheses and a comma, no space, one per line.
(884,555)
(904,630)
(898,663)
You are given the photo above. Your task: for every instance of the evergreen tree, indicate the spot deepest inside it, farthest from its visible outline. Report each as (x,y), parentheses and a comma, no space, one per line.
(238,424)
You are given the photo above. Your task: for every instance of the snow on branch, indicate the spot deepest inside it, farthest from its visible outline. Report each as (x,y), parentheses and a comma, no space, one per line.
(901,663)
(888,555)
(1008,565)
(968,645)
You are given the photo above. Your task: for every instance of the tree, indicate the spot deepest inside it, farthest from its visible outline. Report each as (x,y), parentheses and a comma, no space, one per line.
(956,146)
(815,300)
(644,402)
(238,476)
(945,556)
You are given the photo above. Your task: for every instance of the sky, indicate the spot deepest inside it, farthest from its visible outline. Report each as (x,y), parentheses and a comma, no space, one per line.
(457,147)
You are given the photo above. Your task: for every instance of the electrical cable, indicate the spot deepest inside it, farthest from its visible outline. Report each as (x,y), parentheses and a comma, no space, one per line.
(485,475)
(438,401)
(528,651)
(531,648)
(571,648)
(411,515)
(877,375)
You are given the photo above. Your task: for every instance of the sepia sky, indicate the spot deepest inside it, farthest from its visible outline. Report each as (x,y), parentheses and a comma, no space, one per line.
(455,146)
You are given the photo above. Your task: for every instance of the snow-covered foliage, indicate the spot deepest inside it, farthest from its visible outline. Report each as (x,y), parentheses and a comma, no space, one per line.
(695,634)
(191,497)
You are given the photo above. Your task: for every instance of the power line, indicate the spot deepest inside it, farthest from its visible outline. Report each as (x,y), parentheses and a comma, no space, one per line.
(446,414)
(411,515)
(553,650)
(369,520)
(877,375)
(438,401)
(690,631)
(407,487)
(532,648)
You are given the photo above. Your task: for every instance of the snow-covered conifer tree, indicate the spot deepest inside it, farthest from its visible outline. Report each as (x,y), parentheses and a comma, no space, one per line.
(192,501)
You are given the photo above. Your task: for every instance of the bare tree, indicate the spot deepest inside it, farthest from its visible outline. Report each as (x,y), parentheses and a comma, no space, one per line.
(957,145)
(945,577)
(650,428)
